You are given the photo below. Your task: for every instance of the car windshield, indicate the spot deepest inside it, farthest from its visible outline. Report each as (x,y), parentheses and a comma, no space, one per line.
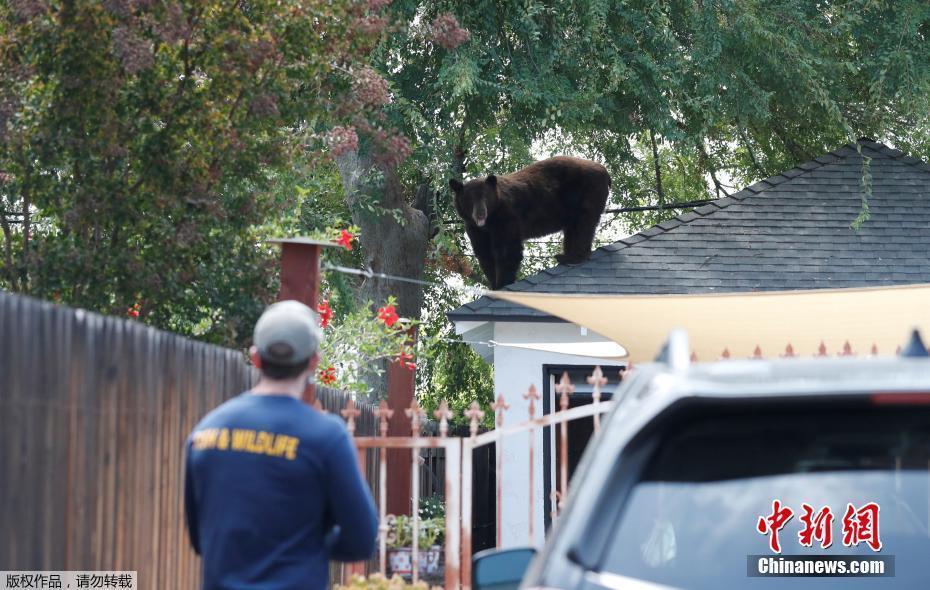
(692,519)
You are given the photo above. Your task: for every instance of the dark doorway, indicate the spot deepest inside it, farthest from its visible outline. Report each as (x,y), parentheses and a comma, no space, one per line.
(579,431)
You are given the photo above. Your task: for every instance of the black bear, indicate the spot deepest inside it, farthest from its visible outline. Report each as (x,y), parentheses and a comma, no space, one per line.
(559,194)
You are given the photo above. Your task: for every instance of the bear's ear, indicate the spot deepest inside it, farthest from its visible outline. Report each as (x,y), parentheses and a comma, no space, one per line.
(491,179)
(455,185)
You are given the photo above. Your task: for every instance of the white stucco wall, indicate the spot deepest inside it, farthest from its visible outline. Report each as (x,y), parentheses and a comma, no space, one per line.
(514,370)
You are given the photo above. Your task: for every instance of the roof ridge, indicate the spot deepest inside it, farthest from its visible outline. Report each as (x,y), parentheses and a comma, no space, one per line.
(763,185)
(894,154)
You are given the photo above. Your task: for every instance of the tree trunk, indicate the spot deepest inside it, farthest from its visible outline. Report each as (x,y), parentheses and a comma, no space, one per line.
(388,246)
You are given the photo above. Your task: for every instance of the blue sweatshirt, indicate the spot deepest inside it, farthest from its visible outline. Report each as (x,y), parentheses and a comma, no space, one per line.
(273,491)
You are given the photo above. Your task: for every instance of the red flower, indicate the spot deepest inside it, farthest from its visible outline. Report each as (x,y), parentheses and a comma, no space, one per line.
(345,240)
(405,359)
(326,313)
(327,376)
(133,311)
(387,315)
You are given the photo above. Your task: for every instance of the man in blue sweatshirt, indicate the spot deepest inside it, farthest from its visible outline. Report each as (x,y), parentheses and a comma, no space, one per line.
(273,489)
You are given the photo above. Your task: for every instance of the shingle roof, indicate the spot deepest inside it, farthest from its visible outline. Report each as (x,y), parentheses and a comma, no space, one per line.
(790,231)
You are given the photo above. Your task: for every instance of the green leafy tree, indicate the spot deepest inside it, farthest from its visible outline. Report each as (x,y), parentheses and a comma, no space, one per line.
(140,139)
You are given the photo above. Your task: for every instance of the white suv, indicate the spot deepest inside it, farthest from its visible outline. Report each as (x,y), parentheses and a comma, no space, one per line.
(679,489)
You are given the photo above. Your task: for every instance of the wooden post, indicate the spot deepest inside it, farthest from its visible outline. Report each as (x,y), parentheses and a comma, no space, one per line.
(400,385)
(300,279)
(300,273)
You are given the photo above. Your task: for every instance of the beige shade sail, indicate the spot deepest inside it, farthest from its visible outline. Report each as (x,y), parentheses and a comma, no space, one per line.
(868,319)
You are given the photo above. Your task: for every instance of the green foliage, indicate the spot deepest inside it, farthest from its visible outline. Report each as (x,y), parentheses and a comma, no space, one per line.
(447,368)
(139,142)
(432,507)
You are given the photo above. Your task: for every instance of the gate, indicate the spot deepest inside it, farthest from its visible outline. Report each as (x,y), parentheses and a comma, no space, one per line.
(459,452)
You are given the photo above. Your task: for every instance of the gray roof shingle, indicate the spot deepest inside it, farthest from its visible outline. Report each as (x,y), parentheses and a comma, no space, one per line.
(790,231)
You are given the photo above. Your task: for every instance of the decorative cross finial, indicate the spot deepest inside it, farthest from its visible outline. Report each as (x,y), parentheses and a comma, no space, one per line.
(443,414)
(597,380)
(499,406)
(384,413)
(474,415)
(416,415)
(789,351)
(565,388)
(531,395)
(626,371)
(350,413)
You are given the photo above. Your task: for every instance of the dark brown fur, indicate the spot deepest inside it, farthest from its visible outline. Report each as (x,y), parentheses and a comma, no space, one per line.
(500,212)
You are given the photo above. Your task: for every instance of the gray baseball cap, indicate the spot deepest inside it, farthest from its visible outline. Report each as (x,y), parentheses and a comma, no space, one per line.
(287,333)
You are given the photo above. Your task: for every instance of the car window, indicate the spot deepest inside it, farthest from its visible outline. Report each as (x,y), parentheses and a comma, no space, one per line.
(691,519)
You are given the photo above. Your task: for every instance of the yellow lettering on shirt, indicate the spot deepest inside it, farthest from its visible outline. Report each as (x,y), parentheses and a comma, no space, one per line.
(222,443)
(240,438)
(244,440)
(280,445)
(291,449)
(205,439)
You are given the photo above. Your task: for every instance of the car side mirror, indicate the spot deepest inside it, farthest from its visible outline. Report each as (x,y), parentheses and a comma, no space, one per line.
(500,569)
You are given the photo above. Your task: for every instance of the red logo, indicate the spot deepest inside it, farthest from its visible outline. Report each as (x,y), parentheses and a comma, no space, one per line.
(774,522)
(859,525)
(816,526)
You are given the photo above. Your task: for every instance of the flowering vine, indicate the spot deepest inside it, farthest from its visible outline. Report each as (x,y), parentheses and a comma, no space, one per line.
(326,313)
(345,239)
(388,315)
(353,347)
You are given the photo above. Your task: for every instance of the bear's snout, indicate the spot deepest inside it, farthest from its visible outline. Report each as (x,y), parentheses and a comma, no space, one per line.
(480,215)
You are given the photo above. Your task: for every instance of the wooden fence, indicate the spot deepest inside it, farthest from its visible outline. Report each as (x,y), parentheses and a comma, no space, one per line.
(94,413)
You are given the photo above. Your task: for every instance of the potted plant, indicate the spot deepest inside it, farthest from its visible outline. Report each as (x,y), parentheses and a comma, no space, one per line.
(400,544)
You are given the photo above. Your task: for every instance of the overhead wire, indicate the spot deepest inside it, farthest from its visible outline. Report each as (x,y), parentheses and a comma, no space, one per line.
(369,273)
